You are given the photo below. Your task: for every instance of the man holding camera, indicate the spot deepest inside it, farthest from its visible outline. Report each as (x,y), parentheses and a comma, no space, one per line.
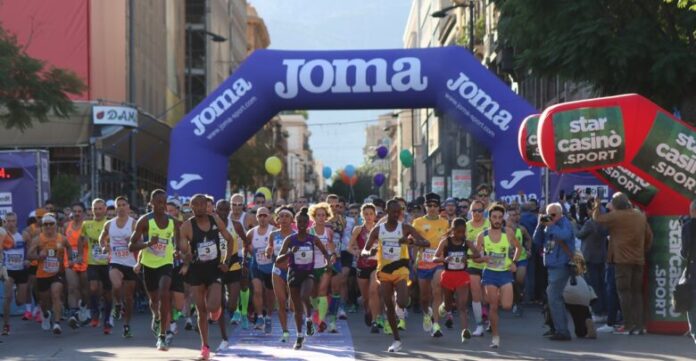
(555,234)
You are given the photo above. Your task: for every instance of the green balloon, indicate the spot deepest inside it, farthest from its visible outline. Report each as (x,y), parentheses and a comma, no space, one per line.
(406,158)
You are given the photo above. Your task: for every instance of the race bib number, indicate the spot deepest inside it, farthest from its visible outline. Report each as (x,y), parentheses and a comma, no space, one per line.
(74,254)
(456,261)
(97,253)
(497,260)
(121,251)
(261,258)
(160,247)
(207,251)
(391,251)
(51,264)
(304,255)
(428,255)
(14,261)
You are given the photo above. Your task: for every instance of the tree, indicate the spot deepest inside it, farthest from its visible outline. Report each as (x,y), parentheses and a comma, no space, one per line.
(617,46)
(29,89)
(65,189)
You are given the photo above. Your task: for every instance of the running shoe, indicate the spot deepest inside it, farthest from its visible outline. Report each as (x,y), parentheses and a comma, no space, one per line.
(387,328)
(267,324)
(517,310)
(245,323)
(395,346)
(466,335)
(437,332)
(259,323)
(107,328)
(621,331)
(310,327)
(161,346)
(442,310)
(606,329)
(286,337)
(116,312)
(84,314)
(168,338)
(495,341)
(402,324)
(6,330)
(173,327)
(26,316)
(315,317)
(322,326)
(332,325)
(94,322)
(38,316)
(56,329)
(374,328)
(449,322)
(223,346)
(155,327)
(73,321)
(236,318)
(478,332)
(127,332)
(342,314)
(427,323)
(298,343)
(189,324)
(368,319)
(205,353)
(380,321)
(46,321)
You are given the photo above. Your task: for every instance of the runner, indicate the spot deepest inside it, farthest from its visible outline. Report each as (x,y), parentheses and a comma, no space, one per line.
(343,229)
(285,216)
(494,248)
(115,237)
(76,276)
(181,298)
(15,263)
(299,250)
(97,264)
(452,251)
(320,213)
(474,227)
(393,239)
(159,231)
(200,245)
(261,270)
(231,278)
(367,277)
(48,249)
(238,215)
(28,235)
(433,228)
(525,241)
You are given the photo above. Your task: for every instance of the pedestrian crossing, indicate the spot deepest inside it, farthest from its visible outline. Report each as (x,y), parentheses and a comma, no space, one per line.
(256,345)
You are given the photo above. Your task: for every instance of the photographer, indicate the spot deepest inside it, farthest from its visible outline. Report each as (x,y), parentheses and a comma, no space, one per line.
(594,250)
(555,235)
(630,239)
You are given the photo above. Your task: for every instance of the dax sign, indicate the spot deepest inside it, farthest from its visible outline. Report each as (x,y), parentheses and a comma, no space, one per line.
(113,115)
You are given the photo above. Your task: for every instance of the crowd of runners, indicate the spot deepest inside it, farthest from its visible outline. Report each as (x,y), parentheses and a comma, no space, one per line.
(229,262)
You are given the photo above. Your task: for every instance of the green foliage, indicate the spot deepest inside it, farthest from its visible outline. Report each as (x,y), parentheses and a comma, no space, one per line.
(29,90)
(65,189)
(618,46)
(246,165)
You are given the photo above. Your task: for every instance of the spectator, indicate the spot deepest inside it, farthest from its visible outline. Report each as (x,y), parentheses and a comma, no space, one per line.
(631,239)
(594,250)
(688,252)
(451,209)
(555,235)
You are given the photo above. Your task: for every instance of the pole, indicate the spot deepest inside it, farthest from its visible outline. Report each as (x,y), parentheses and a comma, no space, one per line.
(189,66)
(131,99)
(471,26)
(414,182)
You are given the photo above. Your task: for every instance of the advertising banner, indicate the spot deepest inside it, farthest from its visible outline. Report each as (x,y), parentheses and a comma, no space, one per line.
(664,270)
(461,183)
(20,179)
(449,79)
(623,180)
(528,143)
(438,185)
(110,115)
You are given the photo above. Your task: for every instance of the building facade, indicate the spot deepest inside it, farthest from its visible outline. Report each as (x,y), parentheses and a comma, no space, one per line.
(301,167)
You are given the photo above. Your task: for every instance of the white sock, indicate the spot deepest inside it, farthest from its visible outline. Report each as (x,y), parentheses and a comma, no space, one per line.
(478,315)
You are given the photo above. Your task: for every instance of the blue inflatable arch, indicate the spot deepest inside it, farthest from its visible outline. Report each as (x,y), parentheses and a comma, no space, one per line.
(449,79)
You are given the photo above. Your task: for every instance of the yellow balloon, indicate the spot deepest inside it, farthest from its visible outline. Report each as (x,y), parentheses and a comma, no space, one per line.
(273,165)
(266,192)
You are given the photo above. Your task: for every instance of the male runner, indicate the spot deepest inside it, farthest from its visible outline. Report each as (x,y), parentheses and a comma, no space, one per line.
(97,264)
(525,241)
(115,237)
(261,269)
(76,276)
(154,235)
(200,245)
(242,217)
(474,227)
(16,265)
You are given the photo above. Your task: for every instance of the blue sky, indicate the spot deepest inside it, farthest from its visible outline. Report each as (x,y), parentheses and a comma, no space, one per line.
(331,25)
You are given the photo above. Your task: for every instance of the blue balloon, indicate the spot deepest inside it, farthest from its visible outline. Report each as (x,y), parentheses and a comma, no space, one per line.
(326,172)
(350,170)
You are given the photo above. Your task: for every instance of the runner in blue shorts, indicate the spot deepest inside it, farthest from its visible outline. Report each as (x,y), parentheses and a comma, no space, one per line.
(285,216)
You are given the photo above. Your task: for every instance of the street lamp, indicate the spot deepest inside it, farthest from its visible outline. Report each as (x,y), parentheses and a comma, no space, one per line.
(443,12)
(189,66)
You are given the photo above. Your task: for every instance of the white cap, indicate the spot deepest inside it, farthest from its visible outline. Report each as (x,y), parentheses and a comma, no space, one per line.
(48,218)
(175,202)
(32,214)
(110,203)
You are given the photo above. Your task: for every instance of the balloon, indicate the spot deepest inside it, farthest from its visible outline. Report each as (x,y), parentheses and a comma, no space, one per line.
(326,172)
(382,152)
(349,170)
(351,181)
(406,158)
(273,165)
(266,192)
(379,179)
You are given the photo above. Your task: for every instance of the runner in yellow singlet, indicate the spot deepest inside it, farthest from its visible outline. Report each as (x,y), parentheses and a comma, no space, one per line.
(474,227)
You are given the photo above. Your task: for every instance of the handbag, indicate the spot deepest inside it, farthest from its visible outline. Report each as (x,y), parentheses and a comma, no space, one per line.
(681,296)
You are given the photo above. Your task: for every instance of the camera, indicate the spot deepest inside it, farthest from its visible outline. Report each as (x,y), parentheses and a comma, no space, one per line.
(545,218)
